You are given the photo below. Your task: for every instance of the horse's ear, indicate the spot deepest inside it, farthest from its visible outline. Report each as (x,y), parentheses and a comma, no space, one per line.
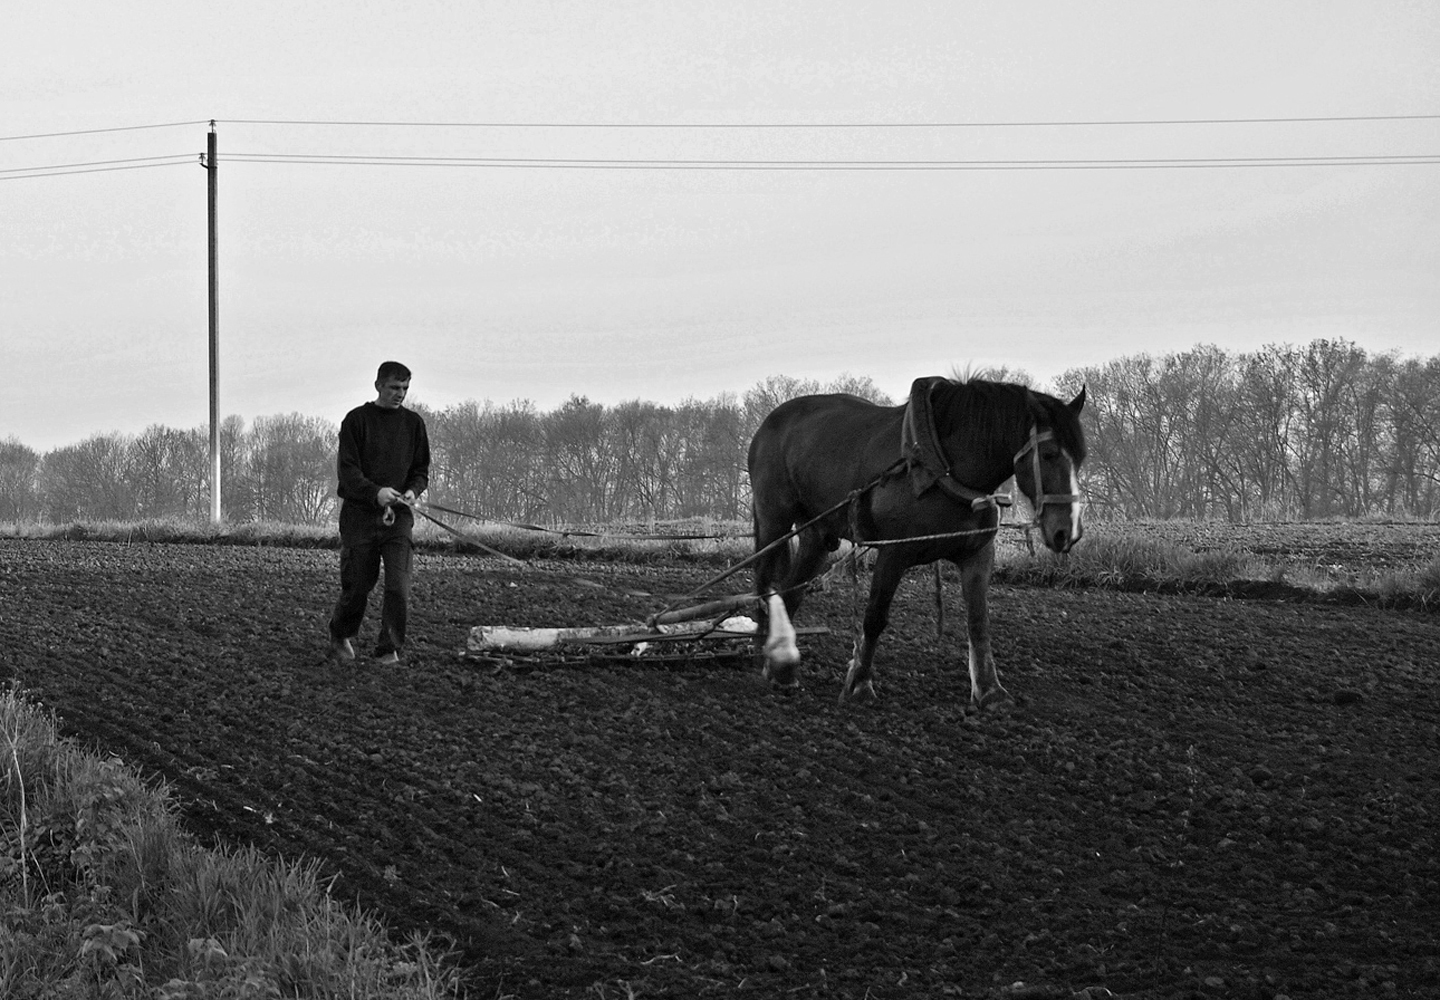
(1078,403)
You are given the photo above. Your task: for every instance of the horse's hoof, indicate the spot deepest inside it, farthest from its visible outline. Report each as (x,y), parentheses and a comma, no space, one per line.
(859,693)
(782,650)
(781,674)
(997,702)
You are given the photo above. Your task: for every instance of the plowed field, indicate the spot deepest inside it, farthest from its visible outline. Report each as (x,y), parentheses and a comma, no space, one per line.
(1193,797)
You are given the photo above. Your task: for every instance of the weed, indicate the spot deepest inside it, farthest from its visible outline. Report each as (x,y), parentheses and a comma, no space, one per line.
(102,895)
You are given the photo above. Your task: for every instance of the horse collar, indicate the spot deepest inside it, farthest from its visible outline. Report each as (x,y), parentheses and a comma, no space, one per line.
(922,452)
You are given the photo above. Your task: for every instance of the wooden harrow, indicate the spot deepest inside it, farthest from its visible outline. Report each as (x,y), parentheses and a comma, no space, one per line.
(673,635)
(682,636)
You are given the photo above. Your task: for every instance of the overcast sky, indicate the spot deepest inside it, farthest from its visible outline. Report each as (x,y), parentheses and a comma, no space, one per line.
(538,282)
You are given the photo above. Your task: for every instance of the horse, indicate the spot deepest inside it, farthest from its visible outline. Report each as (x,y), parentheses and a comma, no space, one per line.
(917,481)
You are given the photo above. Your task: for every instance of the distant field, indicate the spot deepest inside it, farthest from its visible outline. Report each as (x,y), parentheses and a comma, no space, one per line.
(1317,551)
(1334,547)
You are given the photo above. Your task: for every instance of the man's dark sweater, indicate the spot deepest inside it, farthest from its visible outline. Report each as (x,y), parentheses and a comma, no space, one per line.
(380,447)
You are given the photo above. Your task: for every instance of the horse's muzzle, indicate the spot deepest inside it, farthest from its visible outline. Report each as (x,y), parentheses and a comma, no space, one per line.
(1060,533)
(1062,540)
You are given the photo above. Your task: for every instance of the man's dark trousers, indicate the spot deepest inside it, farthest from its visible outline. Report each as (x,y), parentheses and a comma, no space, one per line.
(365,543)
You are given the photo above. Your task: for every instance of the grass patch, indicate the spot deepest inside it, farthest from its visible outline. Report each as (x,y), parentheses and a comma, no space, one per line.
(1138,562)
(174,530)
(1418,587)
(710,543)
(103,895)
(1131,563)
(701,541)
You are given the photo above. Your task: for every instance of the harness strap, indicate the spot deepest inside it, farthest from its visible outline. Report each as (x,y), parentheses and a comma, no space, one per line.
(1038,436)
(977,500)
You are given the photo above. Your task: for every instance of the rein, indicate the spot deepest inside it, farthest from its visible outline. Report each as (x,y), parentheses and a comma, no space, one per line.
(418,508)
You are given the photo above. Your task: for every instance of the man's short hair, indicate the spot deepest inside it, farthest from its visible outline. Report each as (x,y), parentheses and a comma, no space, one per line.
(392,369)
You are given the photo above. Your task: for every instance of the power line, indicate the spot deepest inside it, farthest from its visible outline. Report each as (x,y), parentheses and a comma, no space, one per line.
(95,170)
(95,166)
(318,159)
(1038,123)
(323,159)
(97,131)
(837,125)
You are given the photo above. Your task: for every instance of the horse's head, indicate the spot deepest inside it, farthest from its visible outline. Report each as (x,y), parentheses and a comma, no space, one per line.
(1047,468)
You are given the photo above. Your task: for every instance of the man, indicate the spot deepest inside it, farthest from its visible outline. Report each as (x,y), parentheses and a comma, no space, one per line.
(383,465)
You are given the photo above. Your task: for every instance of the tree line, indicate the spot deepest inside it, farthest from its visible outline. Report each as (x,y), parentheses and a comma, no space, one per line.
(1280,433)
(1283,432)
(582,463)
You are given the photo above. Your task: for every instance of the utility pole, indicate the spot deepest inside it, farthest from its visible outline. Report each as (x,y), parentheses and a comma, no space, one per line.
(212,169)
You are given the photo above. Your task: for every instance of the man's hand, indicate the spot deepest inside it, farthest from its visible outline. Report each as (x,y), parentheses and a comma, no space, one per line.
(408,496)
(387,496)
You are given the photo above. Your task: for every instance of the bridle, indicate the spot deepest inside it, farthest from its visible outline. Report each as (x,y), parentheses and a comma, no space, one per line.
(1032,447)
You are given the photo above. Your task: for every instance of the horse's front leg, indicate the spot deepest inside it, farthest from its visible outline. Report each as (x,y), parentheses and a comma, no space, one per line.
(986,692)
(860,673)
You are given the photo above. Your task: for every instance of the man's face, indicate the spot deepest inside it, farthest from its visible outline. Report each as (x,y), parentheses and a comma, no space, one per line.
(391,392)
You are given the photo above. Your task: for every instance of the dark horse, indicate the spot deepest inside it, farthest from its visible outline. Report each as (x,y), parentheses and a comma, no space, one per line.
(927,468)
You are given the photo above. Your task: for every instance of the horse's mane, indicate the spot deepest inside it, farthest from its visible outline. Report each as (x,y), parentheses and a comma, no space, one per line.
(978,411)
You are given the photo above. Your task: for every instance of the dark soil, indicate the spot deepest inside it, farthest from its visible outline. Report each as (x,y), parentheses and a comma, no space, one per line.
(1194,796)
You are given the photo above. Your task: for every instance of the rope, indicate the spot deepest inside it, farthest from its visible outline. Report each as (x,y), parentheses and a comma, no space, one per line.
(415,506)
(574,532)
(879,542)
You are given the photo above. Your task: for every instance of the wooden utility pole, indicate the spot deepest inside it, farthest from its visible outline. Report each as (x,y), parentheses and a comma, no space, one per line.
(212,169)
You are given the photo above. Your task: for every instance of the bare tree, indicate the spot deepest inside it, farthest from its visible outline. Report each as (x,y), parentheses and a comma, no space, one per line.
(578,460)
(237,493)
(1131,437)
(1284,431)
(169,472)
(19,481)
(1326,369)
(290,466)
(770,392)
(712,480)
(1415,426)
(1266,399)
(859,385)
(88,480)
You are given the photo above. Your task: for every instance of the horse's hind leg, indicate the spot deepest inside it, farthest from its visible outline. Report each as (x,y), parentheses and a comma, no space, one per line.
(860,675)
(782,655)
(986,692)
(809,555)
(776,635)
